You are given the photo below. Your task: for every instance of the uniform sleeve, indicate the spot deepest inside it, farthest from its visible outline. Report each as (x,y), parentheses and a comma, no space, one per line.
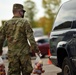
(2,37)
(30,37)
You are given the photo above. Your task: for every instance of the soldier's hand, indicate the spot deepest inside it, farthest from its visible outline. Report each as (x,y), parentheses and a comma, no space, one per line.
(39,53)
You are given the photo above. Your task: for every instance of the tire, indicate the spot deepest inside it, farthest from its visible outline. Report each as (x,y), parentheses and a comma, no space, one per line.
(67,67)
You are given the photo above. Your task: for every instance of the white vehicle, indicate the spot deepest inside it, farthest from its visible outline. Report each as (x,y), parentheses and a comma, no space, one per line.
(38,32)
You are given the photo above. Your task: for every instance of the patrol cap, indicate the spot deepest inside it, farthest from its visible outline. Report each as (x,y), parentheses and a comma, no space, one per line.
(18,7)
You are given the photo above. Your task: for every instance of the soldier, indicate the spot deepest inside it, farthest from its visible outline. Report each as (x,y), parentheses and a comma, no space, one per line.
(18,31)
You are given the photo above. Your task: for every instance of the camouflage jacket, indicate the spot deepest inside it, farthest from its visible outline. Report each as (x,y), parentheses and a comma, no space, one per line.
(18,32)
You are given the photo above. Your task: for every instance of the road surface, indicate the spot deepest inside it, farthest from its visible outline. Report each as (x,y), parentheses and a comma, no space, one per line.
(50,69)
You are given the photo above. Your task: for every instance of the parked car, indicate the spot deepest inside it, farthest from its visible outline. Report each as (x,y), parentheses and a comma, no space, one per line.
(43,45)
(63,39)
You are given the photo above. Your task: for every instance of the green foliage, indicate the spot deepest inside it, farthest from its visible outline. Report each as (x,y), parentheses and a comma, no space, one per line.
(31,10)
(51,9)
(45,23)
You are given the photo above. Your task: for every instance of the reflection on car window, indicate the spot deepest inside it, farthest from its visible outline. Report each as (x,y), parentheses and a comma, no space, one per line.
(66,15)
(63,25)
(73,25)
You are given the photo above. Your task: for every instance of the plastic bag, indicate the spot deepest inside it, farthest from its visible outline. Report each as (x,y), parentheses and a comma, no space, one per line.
(2,67)
(37,58)
(38,68)
(1,61)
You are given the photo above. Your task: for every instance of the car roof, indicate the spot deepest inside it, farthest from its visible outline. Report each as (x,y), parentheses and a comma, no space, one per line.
(41,37)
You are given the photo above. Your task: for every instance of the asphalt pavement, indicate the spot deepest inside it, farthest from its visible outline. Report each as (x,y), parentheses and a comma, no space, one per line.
(49,68)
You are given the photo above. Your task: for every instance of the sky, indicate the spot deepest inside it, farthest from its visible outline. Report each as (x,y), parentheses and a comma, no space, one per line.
(6,8)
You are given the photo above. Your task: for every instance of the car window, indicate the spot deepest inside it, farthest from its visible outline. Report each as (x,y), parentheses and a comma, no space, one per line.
(73,24)
(43,41)
(66,15)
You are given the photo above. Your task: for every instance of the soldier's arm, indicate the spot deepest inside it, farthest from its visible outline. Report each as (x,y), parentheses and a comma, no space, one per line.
(2,38)
(29,33)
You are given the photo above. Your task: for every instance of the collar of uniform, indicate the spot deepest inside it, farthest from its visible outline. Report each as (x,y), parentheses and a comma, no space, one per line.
(16,17)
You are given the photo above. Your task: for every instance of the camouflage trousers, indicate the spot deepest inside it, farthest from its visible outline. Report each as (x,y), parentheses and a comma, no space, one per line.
(18,65)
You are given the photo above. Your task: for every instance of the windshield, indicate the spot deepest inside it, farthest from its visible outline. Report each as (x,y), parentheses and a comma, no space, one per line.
(67,14)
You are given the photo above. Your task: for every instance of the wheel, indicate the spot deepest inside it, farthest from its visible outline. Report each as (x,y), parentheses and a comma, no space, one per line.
(67,67)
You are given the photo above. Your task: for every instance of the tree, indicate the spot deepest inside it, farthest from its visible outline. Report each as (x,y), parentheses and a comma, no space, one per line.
(31,10)
(44,22)
(51,8)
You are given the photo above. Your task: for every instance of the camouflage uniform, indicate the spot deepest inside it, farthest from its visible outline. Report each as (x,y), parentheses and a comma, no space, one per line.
(18,31)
